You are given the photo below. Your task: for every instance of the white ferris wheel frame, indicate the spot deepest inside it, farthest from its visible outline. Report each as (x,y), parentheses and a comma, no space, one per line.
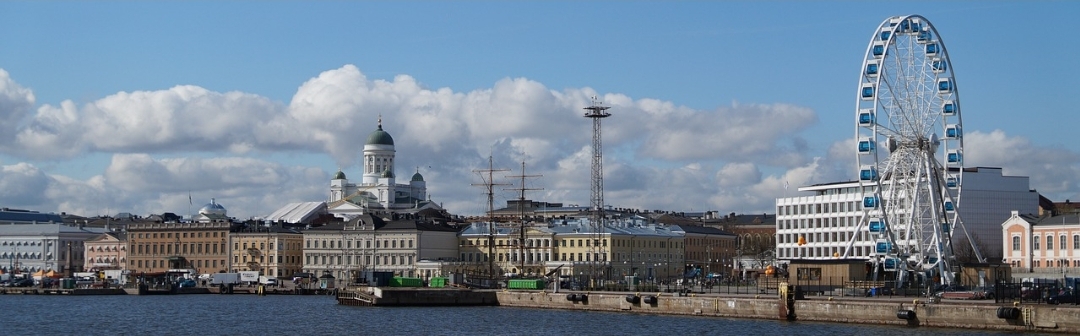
(908,105)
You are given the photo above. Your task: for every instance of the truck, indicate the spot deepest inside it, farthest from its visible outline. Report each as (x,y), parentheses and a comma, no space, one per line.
(249,276)
(269,281)
(119,277)
(225,278)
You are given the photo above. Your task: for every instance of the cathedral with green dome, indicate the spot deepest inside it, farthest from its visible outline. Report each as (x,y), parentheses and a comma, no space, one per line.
(378,191)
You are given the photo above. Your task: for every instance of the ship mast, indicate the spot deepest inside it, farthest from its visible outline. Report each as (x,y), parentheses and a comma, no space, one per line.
(521,207)
(490,184)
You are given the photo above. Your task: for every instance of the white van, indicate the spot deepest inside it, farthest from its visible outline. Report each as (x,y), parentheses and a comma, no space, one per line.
(269,281)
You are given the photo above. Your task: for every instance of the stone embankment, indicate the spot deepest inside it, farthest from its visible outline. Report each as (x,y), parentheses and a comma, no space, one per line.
(973,315)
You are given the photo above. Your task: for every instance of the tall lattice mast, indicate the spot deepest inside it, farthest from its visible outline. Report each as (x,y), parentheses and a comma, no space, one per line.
(597,111)
(489,184)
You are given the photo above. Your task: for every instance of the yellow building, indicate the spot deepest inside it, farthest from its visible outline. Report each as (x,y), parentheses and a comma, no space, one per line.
(158,247)
(272,251)
(623,248)
(512,254)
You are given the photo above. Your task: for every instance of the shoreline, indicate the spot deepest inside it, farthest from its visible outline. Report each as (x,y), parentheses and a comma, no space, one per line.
(885,311)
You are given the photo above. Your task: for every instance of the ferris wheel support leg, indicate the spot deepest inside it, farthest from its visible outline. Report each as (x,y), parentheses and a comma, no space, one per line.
(978,254)
(855,234)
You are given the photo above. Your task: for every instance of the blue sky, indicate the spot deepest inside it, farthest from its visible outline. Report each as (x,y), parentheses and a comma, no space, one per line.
(112,107)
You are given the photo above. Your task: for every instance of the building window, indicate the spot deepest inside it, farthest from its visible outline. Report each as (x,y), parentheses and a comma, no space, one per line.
(1076,242)
(1035,245)
(1016,243)
(1049,243)
(1061,244)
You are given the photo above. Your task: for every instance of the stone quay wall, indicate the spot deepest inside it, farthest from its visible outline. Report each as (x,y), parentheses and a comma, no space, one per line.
(970,315)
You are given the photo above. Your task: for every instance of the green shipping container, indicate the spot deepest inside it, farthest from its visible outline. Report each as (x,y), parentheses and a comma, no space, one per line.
(406,282)
(525,284)
(437,282)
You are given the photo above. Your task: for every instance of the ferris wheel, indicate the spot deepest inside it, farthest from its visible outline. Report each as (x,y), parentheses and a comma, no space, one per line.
(910,150)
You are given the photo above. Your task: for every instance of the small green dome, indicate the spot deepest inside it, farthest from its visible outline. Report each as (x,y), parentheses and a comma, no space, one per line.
(339,176)
(417,177)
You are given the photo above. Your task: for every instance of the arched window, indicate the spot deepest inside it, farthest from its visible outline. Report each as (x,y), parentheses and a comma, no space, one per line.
(1016,243)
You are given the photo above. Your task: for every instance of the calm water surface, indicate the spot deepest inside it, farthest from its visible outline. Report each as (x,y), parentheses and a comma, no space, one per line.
(318,315)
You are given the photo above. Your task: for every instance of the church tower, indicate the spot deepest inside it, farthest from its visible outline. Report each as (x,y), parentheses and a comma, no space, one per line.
(378,155)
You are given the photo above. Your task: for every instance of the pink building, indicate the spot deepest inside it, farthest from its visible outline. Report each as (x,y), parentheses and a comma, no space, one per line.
(107,251)
(1042,244)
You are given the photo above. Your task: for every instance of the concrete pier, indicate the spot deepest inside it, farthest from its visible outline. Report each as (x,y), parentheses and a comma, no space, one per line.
(910,312)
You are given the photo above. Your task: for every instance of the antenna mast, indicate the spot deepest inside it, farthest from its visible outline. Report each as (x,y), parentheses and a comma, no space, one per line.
(521,208)
(597,111)
(490,184)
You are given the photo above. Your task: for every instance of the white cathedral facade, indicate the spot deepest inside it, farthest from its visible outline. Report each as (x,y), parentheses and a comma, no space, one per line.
(378,190)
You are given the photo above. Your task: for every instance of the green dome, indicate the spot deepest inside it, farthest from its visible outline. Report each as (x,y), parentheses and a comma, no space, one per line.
(417,177)
(339,175)
(380,137)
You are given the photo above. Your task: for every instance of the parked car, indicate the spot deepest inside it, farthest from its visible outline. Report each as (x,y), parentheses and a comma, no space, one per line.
(1063,296)
(939,291)
(187,283)
(24,282)
(985,292)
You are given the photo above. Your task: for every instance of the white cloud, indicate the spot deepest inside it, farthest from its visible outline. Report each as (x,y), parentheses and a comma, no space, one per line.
(15,105)
(658,155)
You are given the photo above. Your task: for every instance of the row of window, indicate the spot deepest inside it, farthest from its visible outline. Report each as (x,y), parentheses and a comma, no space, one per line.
(155,263)
(184,248)
(1036,242)
(342,260)
(822,237)
(572,243)
(213,234)
(287,259)
(1047,263)
(816,223)
(812,252)
(807,209)
(379,243)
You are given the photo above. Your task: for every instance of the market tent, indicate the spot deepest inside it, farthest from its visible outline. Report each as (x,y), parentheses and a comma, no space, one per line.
(53,274)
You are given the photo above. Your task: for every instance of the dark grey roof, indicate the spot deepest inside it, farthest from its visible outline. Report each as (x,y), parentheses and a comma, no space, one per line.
(24,216)
(700,230)
(1066,219)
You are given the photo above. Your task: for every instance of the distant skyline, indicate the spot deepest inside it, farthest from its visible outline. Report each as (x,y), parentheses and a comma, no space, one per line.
(110,107)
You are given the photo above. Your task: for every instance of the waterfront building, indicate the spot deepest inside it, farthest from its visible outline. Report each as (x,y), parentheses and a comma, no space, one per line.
(708,250)
(272,251)
(107,251)
(510,255)
(372,243)
(1046,245)
(158,247)
(378,190)
(31,241)
(571,247)
(821,226)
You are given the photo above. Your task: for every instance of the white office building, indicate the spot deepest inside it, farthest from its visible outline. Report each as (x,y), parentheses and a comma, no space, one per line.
(828,219)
